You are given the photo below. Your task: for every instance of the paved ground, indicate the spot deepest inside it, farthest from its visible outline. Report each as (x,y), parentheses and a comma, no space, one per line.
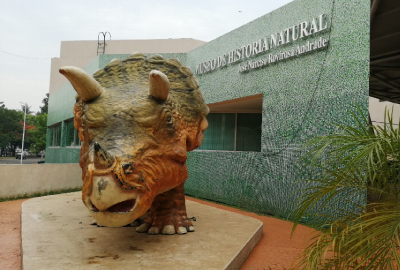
(275,251)
(221,238)
(13,160)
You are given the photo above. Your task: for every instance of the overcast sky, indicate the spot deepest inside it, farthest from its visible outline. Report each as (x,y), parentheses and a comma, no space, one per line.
(31,32)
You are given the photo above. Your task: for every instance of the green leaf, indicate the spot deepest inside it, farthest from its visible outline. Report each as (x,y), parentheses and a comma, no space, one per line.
(353,197)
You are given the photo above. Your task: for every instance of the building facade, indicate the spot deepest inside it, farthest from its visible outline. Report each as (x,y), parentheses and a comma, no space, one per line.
(271,85)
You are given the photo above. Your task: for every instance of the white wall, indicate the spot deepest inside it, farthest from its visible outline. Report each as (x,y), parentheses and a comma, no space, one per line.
(377,110)
(18,180)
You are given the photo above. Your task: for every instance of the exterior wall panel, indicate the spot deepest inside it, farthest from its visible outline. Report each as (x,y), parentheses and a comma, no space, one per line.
(302,97)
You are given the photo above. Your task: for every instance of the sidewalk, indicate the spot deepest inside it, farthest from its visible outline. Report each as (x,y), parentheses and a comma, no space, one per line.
(275,251)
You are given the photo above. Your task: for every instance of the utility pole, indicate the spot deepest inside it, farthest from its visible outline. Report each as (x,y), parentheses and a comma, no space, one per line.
(23,134)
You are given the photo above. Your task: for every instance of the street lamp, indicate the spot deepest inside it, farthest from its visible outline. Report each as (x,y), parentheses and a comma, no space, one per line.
(23,134)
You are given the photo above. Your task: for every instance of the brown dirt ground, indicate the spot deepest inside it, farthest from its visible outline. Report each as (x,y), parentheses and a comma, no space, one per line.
(275,251)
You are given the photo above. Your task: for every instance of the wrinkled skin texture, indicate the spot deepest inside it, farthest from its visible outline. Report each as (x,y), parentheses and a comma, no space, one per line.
(134,145)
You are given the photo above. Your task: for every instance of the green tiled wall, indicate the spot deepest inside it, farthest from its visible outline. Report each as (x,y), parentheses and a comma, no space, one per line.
(302,97)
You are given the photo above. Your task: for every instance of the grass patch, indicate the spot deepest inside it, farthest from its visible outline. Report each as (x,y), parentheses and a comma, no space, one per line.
(40,194)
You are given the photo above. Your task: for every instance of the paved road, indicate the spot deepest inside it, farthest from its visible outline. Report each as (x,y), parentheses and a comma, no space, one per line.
(13,160)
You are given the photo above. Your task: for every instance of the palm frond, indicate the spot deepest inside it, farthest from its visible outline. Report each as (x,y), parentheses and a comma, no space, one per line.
(353,197)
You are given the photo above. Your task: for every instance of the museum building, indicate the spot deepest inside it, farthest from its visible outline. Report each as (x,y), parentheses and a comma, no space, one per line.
(271,85)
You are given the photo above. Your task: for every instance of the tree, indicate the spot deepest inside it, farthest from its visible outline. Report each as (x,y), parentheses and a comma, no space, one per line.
(39,133)
(28,109)
(356,171)
(45,107)
(30,124)
(10,129)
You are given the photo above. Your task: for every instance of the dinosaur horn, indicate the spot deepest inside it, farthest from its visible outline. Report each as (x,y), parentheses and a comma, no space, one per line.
(85,85)
(159,85)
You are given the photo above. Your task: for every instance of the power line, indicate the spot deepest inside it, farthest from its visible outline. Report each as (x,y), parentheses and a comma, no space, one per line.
(26,57)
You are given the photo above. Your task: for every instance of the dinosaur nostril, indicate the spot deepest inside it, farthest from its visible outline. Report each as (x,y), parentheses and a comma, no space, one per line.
(102,159)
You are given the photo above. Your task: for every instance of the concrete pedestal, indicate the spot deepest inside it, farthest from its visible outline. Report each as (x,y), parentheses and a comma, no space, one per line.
(56,234)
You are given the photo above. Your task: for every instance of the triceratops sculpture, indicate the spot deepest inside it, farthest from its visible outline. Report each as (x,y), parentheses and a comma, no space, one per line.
(137,118)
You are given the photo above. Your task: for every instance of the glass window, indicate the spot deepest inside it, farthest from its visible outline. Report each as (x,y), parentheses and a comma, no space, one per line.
(72,138)
(248,130)
(56,135)
(233,132)
(220,134)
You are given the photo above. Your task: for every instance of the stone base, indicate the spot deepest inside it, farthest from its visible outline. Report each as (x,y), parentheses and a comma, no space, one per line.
(56,234)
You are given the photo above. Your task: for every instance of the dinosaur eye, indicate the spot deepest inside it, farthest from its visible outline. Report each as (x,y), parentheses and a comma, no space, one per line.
(128,168)
(170,121)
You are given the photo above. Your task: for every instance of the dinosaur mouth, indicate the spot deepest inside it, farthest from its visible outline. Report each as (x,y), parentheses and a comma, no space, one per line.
(121,207)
